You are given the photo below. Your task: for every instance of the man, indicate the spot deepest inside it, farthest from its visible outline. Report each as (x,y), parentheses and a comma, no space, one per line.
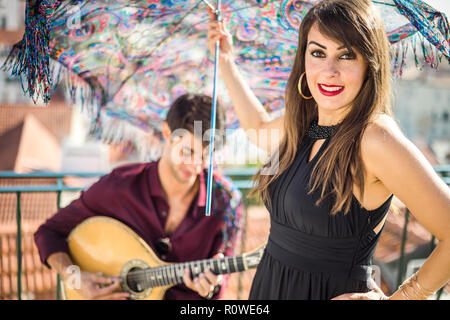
(163,202)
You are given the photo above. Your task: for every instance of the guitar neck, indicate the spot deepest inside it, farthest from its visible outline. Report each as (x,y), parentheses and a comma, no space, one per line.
(173,274)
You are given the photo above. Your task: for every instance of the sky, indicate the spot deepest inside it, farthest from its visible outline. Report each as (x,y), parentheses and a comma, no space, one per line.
(440,5)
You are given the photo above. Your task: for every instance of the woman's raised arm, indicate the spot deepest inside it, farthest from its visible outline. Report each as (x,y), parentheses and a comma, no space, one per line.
(249,110)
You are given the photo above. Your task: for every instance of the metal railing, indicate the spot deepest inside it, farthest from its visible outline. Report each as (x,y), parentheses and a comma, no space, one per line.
(59,187)
(241,181)
(240,177)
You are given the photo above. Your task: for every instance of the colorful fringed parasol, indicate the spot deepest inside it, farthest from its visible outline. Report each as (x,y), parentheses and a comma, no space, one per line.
(126,61)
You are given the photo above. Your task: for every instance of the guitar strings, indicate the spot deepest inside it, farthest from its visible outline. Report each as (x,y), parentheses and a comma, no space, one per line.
(157,276)
(144,274)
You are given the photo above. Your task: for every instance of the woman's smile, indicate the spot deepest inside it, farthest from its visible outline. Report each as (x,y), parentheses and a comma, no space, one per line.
(330,90)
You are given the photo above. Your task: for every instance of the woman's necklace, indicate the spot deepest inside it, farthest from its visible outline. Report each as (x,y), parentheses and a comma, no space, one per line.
(316,131)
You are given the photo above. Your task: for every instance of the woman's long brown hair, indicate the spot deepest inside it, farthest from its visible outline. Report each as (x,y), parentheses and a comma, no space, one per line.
(357,26)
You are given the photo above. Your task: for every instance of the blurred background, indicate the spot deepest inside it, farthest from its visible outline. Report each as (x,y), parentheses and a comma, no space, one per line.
(54,138)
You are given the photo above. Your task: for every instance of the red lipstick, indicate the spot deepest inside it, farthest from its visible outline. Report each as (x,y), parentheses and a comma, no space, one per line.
(329,93)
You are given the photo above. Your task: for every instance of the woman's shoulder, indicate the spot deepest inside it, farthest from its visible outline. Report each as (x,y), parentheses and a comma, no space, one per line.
(381,137)
(381,129)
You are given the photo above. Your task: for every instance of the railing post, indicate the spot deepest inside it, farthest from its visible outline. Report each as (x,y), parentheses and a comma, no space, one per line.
(58,278)
(19,247)
(243,236)
(401,264)
(18,190)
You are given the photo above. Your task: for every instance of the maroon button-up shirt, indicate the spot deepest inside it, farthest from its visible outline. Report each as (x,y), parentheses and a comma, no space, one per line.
(133,195)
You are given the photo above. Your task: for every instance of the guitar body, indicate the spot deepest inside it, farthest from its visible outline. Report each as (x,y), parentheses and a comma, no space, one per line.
(105,245)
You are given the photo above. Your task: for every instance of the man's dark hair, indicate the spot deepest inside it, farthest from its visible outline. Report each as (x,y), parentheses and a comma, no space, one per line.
(191,107)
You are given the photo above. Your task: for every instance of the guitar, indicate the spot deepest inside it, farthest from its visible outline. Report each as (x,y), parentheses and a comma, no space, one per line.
(105,245)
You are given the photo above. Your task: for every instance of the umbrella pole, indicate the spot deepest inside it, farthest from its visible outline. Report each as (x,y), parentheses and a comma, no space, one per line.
(213,118)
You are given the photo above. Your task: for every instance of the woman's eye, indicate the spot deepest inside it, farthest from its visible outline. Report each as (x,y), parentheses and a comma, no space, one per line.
(348,56)
(317,53)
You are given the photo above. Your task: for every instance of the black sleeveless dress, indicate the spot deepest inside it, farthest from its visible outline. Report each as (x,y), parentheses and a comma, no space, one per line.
(311,254)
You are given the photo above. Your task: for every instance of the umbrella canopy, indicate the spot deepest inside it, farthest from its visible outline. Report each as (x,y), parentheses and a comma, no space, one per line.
(126,61)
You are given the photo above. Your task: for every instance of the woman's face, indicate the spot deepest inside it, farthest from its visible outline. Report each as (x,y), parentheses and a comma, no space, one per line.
(334,74)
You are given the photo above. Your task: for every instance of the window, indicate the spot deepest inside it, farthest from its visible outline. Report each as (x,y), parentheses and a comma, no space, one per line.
(2,22)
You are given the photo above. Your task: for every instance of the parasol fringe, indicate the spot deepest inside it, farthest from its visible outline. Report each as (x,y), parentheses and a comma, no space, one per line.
(143,144)
(147,145)
(110,130)
(29,58)
(423,53)
(78,91)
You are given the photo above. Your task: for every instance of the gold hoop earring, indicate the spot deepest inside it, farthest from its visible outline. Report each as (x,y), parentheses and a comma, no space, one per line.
(300,87)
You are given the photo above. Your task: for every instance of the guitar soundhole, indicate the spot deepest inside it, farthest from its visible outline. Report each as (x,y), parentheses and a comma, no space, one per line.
(134,280)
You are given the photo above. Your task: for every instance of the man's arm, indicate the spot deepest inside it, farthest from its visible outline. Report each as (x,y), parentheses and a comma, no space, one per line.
(51,241)
(91,286)
(60,262)
(51,236)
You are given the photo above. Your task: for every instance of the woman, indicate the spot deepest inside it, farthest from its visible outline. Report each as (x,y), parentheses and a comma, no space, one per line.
(341,159)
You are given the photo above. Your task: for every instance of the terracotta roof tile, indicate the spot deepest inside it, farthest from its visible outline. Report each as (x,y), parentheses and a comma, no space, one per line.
(5,286)
(36,207)
(37,280)
(56,117)
(29,146)
(10,38)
